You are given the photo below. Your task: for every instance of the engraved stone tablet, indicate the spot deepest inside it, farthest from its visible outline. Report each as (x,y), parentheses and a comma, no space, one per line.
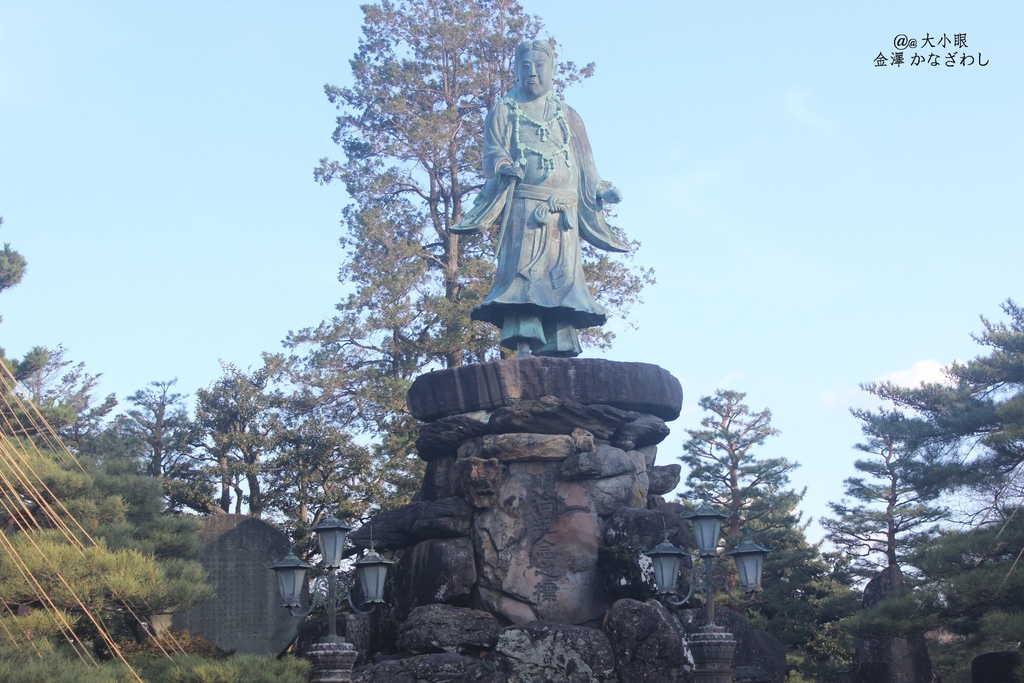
(244,613)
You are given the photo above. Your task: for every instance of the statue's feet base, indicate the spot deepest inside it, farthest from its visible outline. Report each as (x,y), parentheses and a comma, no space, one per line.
(641,387)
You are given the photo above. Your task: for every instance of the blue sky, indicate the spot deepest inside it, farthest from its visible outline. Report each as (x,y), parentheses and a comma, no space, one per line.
(814,221)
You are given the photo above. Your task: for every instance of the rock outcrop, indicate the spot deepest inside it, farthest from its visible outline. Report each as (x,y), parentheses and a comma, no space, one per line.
(527,461)
(648,643)
(521,558)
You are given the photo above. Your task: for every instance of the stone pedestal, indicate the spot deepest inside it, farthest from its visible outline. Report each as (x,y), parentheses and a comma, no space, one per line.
(541,493)
(712,649)
(640,387)
(333,659)
(527,460)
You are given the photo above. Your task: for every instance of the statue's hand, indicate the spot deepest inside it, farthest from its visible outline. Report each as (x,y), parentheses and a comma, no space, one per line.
(609,194)
(512,171)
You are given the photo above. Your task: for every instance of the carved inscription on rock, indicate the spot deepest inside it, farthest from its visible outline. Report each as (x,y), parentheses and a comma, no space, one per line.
(539,548)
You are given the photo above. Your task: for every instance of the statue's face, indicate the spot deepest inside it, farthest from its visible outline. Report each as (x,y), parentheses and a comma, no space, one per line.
(534,73)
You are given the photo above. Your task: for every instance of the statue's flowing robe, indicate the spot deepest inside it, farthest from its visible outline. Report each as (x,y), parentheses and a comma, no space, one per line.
(539,294)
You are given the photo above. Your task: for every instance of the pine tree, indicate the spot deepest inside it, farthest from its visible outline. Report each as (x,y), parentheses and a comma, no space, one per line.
(80,543)
(974,589)
(972,437)
(888,516)
(319,470)
(237,415)
(725,471)
(970,441)
(161,422)
(12,269)
(806,594)
(62,392)
(164,437)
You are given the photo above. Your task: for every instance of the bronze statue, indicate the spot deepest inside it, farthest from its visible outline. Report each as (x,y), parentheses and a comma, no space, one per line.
(543,189)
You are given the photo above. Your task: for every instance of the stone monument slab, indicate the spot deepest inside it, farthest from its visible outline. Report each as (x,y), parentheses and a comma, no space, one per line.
(244,613)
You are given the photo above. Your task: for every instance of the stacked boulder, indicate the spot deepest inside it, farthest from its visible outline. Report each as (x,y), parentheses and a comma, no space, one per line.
(521,558)
(527,461)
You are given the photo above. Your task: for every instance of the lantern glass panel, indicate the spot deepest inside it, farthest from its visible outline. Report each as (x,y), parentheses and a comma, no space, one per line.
(372,570)
(750,566)
(749,558)
(666,572)
(330,534)
(290,582)
(332,543)
(707,530)
(371,581)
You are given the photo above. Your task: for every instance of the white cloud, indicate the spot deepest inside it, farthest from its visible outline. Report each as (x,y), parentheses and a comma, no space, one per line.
(844,399)
(833,398)
(921,371)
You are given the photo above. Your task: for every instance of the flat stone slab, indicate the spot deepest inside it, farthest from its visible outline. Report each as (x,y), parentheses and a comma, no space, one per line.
(244,612)
(515,447)
(640,387)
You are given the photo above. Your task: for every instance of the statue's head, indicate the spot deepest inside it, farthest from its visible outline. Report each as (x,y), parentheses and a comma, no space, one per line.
(535,67)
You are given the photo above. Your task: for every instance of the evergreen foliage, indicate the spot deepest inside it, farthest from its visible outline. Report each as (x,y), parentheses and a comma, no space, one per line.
(973,424)
(236,414)
(62,392)
(974,590)
(58,664)
(275,449)
(160,421)
(81,545)
(234,669)
(158,439)
(12,269)
(962,439)
(888,516)
(320,469)
(724,470)
(807,595)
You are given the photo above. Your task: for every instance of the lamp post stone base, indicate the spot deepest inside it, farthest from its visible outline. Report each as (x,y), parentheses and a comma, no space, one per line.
(333,658)
(712,649)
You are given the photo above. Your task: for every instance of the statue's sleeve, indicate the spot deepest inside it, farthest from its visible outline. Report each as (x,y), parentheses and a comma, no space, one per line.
(497,140)
(497,151)
(592,225)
